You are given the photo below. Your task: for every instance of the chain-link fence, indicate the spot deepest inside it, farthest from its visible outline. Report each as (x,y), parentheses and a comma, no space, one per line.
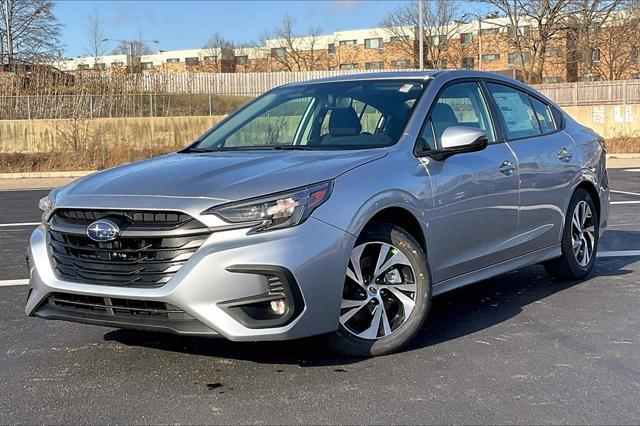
(28,107)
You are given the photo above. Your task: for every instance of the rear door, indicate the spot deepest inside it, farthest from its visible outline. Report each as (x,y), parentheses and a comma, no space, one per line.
(545,160)
(475,194)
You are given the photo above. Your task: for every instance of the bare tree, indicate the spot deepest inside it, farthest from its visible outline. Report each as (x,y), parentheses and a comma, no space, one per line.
(96,39)
(29,31)
(531,27)
(439,17)
(586,21)
(295,51)
(218,51)
(617,44)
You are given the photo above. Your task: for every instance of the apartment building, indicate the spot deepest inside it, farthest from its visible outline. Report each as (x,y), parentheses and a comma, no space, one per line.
(483,45)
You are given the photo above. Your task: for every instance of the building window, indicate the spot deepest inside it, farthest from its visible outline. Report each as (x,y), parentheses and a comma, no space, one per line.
(372,43)
(522,31)
(83,66)
(490,57)
(117,64)
(400,63)
(467,63)
(466,38)
(484,31)
(348,42)
(279,52)
(374,65)
(515,58)
(399,38)
(331,48)
(552,53)
(595,55)
(211,58)
(101,66)
(173,60)
(552,79)
(242,60)
(147,65)
(350,66)
(191,61)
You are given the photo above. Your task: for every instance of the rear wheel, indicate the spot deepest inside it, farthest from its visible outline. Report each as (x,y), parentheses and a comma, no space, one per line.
(579,239)
(386,293)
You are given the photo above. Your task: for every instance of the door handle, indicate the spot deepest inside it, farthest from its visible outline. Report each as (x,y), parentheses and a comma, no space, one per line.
(564,154)
(507,167)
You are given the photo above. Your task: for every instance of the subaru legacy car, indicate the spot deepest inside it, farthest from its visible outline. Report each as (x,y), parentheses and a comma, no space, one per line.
(335,207)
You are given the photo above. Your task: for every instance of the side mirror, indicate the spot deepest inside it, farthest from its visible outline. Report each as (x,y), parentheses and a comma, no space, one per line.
(458,139)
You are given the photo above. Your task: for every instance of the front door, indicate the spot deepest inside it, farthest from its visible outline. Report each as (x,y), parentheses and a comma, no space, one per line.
(473,223)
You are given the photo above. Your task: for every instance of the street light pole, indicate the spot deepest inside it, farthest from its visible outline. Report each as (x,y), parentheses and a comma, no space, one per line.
(421,35)
(479,43)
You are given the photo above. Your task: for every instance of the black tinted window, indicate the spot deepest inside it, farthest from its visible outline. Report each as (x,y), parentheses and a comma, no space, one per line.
(516,111)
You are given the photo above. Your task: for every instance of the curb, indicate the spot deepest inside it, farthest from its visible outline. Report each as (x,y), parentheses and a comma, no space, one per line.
(70,174)
(633,156)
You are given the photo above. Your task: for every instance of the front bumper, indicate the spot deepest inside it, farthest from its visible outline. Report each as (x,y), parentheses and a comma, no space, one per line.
(225,268)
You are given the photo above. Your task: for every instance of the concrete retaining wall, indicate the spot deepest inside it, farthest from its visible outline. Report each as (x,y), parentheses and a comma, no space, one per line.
(49,135)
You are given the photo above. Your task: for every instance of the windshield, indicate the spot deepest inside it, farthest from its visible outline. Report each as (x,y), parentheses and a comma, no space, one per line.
(340,115)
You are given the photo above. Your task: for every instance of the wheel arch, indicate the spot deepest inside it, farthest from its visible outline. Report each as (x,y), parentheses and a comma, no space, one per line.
(401,217)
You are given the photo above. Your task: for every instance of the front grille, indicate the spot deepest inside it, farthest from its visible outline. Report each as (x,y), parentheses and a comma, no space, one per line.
(116,307)
(152,248)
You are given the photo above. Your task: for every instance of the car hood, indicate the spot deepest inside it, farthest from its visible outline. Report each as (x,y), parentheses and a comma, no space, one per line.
(220,176)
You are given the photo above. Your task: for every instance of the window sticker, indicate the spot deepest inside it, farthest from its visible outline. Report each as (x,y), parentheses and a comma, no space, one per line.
(405,88)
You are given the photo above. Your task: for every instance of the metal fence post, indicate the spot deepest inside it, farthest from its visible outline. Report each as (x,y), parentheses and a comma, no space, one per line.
(210,112)
(28,107)
(150,104)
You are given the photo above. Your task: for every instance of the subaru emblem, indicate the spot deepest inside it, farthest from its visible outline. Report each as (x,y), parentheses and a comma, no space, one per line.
(103,230)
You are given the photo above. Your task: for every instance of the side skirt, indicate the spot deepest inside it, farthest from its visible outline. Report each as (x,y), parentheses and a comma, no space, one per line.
(497,269)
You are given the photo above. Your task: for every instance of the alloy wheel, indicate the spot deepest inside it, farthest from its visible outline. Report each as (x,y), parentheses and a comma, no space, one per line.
(583,237)
(379,291)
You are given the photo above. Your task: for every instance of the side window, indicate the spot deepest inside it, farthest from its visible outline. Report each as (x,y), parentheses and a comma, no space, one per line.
(426,141)
(543,114)
(516,111)
(275,127)
(460,104)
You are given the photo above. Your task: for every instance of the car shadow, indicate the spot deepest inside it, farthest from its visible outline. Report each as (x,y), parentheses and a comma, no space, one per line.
(455,314)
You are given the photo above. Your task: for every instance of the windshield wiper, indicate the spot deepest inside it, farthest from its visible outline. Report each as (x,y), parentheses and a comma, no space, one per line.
(292,147)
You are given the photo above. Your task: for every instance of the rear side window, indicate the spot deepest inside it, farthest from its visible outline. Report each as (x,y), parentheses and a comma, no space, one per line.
(516,110)
(543,114)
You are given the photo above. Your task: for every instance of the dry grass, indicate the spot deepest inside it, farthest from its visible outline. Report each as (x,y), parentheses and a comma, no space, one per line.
(66,161)
(623,145)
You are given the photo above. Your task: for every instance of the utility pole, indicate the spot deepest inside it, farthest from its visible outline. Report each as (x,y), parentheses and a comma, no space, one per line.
(421,33)
(479,43)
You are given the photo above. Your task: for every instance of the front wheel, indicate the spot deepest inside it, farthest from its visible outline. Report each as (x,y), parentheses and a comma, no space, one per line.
(579,239)
(386,293)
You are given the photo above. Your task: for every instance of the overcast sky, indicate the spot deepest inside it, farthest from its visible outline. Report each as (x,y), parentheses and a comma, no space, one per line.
(188,24)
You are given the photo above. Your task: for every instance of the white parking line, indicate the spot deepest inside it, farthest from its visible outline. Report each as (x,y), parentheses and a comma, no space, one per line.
(620,253)
(12,225)
(632,170)
(625,192)
(8,283)
(625,202)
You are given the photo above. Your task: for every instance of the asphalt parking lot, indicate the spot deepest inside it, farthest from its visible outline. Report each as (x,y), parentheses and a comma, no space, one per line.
(519,348)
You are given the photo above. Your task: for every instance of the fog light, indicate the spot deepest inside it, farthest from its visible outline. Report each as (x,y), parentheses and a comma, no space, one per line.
(278,306)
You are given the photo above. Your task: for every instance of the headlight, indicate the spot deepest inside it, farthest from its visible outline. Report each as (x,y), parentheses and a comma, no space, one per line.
(46,205)
(275,211)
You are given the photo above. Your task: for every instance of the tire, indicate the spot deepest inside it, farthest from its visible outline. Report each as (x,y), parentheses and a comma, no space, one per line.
(404,281)
(572,265)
